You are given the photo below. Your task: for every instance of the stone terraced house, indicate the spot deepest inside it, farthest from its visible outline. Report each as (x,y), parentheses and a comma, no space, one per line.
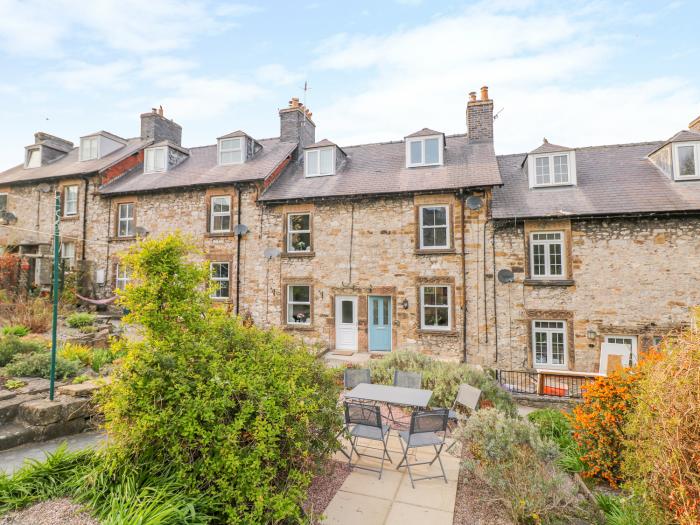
(431,243)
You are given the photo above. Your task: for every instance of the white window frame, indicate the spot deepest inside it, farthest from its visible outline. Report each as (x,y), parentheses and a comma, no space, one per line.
(634,344)
(549,331)
(122,276)
(676,164)
(129,220)
(290,302)
(218,280)
(72,210)
(434,227)
(532,170)
(547,243)
(214,214)
(290,233)
(441,148)
(70,258)
(150,167)
(240,148)
(87,153)
(317,165)
(423,306)
(28,156)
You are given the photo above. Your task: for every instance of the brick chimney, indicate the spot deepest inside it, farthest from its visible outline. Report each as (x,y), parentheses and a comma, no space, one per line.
(695,125)
(480,116)
(296,124)
(155,127)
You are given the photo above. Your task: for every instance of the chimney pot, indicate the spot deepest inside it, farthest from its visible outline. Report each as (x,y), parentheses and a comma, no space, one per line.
(485,93)
(160,110)
(472,96)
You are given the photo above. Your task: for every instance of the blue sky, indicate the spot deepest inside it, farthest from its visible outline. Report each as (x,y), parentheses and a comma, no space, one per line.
(578,73)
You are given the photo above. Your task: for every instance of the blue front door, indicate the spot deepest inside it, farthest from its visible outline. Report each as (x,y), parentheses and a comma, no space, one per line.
(380,323)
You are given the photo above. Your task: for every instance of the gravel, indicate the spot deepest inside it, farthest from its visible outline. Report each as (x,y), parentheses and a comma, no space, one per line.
(323,487)
(53,512)
(475,504)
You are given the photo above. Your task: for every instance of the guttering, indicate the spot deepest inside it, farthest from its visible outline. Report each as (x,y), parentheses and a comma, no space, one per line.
(238,250)
(85,212)
(462,204)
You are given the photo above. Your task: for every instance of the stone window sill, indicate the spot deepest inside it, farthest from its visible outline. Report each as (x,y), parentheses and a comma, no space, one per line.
(301,255)
(217,235)
(448,333)
(549,282)
(302,327)
(437,251)
(70,218)
(128,238)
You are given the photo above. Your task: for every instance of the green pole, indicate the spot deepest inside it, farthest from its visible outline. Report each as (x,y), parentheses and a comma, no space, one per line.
(54,322)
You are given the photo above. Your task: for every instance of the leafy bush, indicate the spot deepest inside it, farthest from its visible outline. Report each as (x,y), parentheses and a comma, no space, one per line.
(520,466)
(238,414)
(555,426)
(80,319)
(38,364)
(16,330)
(101,357)
(35,314)
(11,345)
(90,329)
(626,510)
(76,352)
(443,378)
(662,453)
(14,384)
(82,378)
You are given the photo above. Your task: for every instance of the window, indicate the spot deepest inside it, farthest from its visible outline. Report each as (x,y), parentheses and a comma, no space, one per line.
(221,214)
(549,343)
(319,162)
(424,152)
(125,227)
(122,277)
(3,202)
(231,151)
(33,158)
(298,304)
(547,255)
(68,253)
(687,160)
(628,340)
(156,160)
(89,148)
(552,170)
(435,307)
(298,232)
(70,203)
(434,227)
(220,276)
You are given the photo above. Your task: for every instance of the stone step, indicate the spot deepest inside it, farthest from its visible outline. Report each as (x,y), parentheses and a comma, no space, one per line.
(9,408)
(15,434)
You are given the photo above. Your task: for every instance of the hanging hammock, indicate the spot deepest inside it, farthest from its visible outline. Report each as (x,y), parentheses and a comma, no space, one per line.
(97,302)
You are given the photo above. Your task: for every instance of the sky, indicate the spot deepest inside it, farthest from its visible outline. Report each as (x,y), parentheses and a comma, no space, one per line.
(577,73)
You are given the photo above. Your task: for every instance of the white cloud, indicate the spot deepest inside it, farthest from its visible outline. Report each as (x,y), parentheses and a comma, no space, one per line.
(81,76)
(421,76)
(278,75)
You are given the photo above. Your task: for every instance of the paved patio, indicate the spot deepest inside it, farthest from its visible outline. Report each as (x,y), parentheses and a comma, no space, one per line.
(364,498)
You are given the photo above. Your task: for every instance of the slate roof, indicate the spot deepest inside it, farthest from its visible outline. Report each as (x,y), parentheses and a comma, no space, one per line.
(425,132)
(611,180)
(372,169)
(201,169)
(682,136)
(547,147)
(321,144)
(71,165)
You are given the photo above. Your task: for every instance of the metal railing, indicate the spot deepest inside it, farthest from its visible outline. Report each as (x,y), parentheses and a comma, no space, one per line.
(546,383)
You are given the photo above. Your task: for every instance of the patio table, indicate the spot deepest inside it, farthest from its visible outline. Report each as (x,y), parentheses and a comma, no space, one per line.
(392,395)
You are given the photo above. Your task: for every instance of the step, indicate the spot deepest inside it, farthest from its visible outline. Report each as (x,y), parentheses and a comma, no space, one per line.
(15,434)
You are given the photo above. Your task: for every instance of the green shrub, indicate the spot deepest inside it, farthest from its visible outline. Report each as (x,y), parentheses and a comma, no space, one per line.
(15,329)
(626,510)
(87,329)
(14,384)
(82,378)
(38,364)
(80,319)
(443,378)
(11,345)
(520,466)
(555,426)
(101,357)
(239,415)
(76,352)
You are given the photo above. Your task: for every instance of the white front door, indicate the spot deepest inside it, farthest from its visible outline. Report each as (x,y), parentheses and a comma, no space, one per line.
(346,322)
(630,341)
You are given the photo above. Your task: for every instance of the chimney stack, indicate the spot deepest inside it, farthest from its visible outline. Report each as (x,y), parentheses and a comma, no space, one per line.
(480,116)
(296,124)
(155,127)
(695,125)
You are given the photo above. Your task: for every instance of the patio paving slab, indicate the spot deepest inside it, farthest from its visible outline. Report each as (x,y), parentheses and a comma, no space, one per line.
(406,514)
(347,508)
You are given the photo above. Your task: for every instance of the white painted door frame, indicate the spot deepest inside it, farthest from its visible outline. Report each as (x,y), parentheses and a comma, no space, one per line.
(346,325)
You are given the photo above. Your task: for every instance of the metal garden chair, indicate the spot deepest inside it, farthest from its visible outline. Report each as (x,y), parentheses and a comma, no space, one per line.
(467,399)
(406,380)
(424,431)
(365,421)
(351,378)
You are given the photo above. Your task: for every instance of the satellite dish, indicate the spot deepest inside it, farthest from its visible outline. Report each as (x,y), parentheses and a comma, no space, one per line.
(474,202)
(272,252)
(505,276)
(240,229)
(43,187)
(141,231)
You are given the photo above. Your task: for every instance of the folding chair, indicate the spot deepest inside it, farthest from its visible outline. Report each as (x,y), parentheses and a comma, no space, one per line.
(468,397)
(365,421)
(351,378)
(424,432)
(406,380)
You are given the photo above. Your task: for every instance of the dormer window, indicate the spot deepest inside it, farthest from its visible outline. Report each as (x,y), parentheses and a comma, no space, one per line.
(89,148)
(319,162)
(424,151)
(33,159)
(231,151)
(156,160)
(686,160)
(554,169)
